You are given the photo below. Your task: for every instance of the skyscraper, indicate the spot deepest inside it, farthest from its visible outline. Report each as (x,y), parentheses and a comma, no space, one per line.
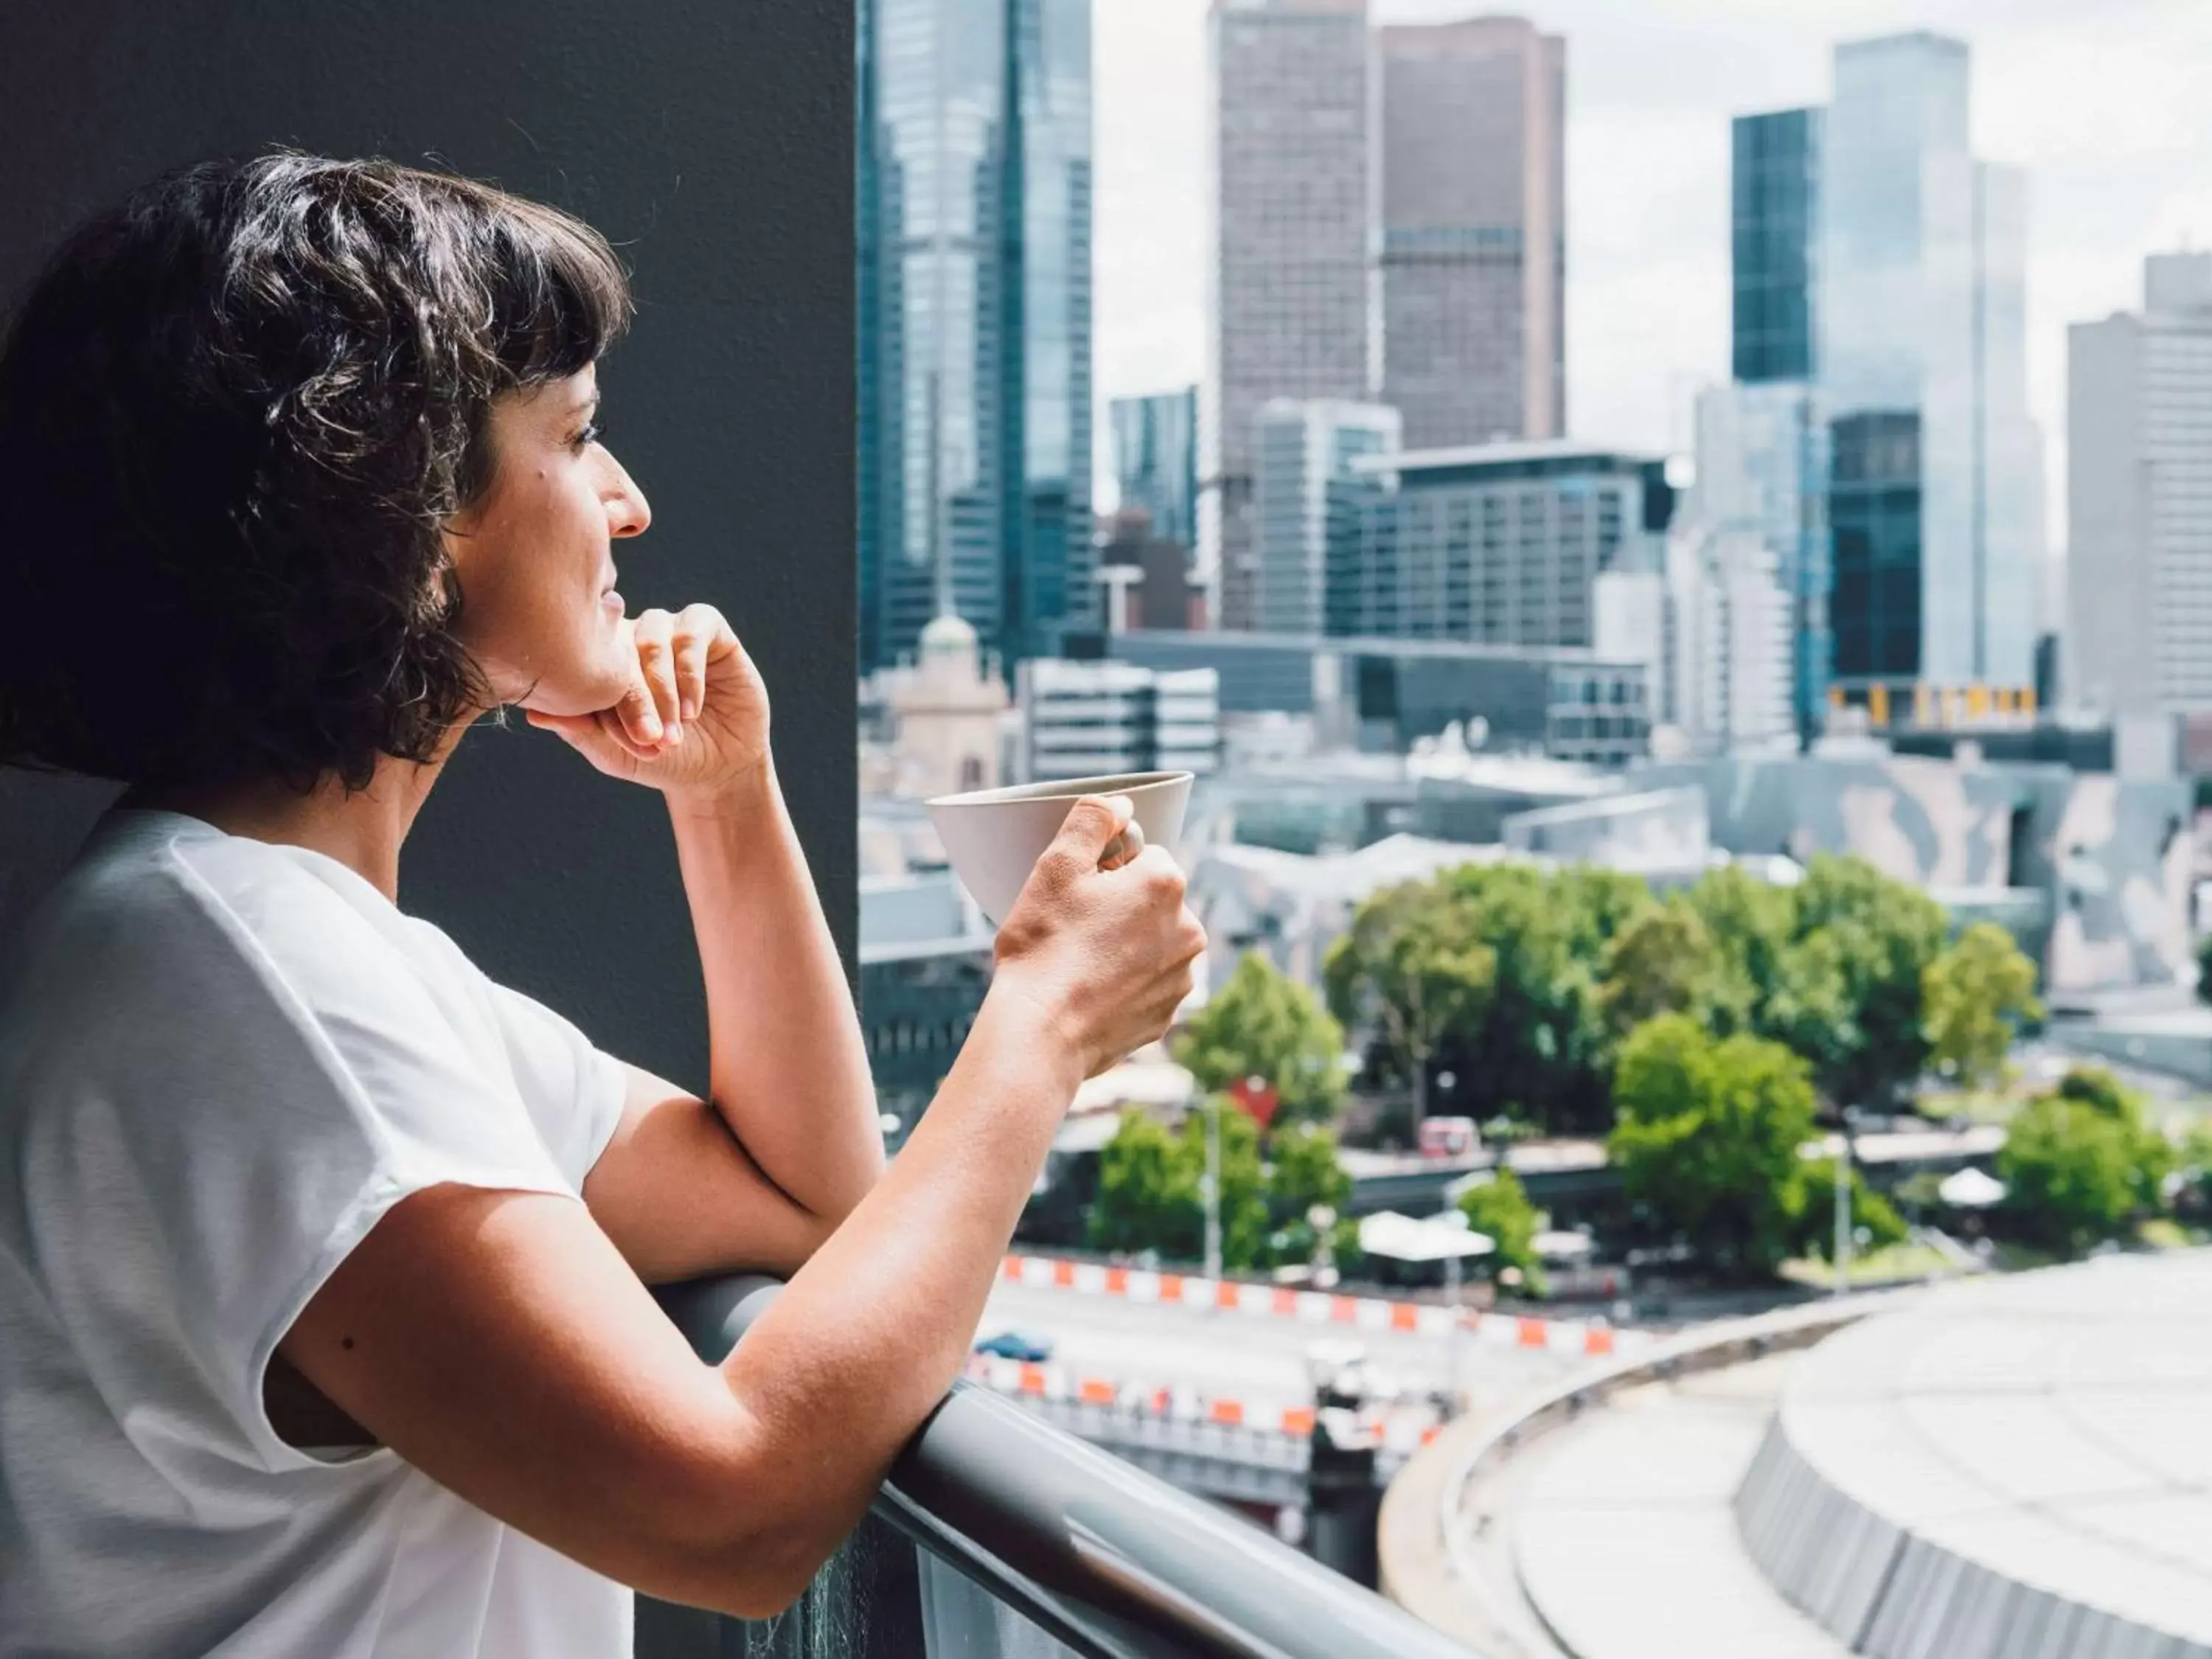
(1774,226)
(2139,499)
(1937,504)
(1472,122)
(974,233)
(1286,269)
(1156,461)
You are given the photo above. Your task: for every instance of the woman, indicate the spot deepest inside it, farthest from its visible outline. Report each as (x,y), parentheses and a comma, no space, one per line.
(322,1257)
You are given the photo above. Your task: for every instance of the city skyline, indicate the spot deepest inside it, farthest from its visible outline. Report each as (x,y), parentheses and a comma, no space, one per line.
(1648,178)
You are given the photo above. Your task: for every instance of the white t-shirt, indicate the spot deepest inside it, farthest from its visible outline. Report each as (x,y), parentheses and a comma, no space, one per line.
(221,1063)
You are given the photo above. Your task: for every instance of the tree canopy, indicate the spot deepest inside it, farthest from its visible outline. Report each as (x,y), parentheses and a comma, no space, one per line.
(1414,970)
(2082,1164)
(1499,1208)
(1974,997)
(1151,1192)
(1263,1023)
(1709,1138)
(1524,983)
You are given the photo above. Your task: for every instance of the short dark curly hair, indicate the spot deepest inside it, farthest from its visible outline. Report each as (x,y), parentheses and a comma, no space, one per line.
(235,411)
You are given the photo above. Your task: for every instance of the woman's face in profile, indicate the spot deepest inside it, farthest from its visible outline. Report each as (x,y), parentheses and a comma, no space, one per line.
(534,553)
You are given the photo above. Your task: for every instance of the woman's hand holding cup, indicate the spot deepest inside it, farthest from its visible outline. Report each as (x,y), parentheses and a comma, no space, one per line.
(1100,941)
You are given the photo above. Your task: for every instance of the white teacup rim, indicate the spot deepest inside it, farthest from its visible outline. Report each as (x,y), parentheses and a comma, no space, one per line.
(1073,789)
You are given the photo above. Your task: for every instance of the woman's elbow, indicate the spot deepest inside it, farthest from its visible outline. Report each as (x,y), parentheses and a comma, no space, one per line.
(756,1576)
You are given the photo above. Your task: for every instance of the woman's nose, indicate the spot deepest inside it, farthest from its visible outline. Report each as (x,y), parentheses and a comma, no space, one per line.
(629,513)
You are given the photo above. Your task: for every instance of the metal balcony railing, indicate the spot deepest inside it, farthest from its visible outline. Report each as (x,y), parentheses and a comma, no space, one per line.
(998,1536)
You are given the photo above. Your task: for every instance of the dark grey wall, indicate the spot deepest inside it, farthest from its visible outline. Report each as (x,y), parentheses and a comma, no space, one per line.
(712,141)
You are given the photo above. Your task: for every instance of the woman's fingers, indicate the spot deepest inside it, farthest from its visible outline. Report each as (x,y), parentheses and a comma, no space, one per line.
(696,631)
(1124,847)
(652,712)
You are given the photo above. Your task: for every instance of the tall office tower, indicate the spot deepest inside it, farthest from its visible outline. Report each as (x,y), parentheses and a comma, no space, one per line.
(1286,268)
(1304,448)
(973,233)
(2139,500)
(1473,166)
(1936,502)
(1500,544)
(1156,461)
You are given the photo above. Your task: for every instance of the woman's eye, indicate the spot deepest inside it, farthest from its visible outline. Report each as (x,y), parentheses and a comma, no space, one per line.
(592,434)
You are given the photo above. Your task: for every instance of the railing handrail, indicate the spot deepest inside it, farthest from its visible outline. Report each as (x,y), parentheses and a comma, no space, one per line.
(1105,1557)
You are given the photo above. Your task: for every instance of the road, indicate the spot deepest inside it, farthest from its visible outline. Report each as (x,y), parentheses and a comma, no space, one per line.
(1255,1357)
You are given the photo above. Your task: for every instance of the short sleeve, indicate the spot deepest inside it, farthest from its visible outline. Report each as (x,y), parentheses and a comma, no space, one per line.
(265,1079)
(574,1089)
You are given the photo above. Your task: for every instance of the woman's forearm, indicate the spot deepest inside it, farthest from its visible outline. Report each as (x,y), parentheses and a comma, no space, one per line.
(788,1069)
(872,1331)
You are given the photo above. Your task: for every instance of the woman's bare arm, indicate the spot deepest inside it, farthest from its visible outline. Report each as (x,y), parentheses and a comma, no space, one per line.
(499,1341)
(789,1067)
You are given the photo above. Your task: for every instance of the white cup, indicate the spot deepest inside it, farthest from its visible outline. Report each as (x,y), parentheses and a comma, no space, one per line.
(995,836)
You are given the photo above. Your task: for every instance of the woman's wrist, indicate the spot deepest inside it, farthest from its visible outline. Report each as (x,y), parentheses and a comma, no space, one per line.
(743,793)
(1029,1019)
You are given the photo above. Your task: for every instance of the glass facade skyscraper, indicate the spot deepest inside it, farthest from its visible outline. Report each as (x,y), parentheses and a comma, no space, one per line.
(1774,180)
(1937,509)
(1156,461)
(975,211)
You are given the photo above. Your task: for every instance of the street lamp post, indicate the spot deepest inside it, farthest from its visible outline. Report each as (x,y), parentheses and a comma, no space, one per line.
(1212,1191)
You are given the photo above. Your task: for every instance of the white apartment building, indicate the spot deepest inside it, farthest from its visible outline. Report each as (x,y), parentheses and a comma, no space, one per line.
(2139,559)
(1713,631)
(1304,447)
(1085,719)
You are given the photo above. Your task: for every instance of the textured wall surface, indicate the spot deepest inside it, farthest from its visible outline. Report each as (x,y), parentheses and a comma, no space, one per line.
(2110,858)
(712,142)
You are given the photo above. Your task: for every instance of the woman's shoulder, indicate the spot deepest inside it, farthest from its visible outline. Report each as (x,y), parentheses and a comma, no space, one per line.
(164,913)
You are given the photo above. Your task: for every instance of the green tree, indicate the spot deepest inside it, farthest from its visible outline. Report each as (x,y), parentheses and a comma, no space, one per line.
(1974,997)
(1540,1048)
(1752,924)
(1882,935)
(1263,1023)
(1304,1172)
(1150,1192)
(1708,1138)
(1410,969)
(2204,964)
(1664,961)
(1874,1220)
(1499,1209)
(2080,1163)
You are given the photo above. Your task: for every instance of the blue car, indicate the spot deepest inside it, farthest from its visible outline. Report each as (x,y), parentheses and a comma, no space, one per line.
(1016,1344)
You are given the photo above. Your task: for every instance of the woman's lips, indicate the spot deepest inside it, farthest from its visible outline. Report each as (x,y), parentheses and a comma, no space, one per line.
(611,602)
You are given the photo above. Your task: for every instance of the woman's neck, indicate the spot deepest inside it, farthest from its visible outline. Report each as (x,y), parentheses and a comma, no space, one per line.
(362,829)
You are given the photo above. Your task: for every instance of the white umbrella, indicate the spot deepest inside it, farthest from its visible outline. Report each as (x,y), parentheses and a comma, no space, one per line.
(1422,1238)
(1971,1190)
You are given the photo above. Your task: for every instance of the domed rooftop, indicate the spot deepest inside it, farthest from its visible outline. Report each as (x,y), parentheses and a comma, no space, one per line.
(948,635)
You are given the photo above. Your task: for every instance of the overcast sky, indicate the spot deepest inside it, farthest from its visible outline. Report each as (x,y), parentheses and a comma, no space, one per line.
(2106,103)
